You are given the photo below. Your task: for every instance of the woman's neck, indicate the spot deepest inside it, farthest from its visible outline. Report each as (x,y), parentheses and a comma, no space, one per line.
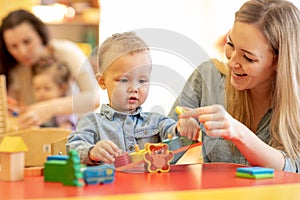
(260,103)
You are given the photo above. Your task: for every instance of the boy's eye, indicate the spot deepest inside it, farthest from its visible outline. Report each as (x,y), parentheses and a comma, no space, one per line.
(142,81)
(123,80)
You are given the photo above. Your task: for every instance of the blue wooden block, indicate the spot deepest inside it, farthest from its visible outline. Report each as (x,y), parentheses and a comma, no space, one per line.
(255,170)
(57,157)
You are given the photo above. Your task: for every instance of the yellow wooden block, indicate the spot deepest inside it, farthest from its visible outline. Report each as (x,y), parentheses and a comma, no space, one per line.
(179,110)
(13,144)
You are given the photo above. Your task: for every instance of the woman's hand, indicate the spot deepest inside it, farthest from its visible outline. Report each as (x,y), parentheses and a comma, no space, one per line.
(216,120)
(36,114)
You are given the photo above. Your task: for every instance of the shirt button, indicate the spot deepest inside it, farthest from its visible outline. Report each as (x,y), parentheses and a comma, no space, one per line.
(128,122)
(131,147)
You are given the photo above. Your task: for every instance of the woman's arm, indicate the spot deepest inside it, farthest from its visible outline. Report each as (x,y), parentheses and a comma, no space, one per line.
(85,91)
(204,87)
(219,123)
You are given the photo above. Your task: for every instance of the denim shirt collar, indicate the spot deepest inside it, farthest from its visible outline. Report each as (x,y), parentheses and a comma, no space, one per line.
(109,112)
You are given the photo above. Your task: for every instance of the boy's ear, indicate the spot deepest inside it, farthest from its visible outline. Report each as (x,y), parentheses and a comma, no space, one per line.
(101,81)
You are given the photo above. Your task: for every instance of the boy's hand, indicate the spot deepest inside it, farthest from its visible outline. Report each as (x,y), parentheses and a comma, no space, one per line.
(189,128)
(105,151)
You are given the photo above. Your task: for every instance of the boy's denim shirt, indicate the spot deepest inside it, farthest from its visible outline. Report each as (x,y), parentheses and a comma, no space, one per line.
(124,129)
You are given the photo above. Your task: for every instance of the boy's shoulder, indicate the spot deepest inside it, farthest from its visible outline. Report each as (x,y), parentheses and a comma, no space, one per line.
(155,115)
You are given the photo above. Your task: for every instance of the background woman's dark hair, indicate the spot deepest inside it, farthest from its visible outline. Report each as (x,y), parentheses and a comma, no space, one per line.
(13,19)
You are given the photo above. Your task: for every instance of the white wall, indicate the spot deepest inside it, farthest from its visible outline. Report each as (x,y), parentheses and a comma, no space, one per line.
(201,20)
(193,24)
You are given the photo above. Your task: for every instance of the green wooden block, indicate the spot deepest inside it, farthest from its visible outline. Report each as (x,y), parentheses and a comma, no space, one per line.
(54,170)
(256,176)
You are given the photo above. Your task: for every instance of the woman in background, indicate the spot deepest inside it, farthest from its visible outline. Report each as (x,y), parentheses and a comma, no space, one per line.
(24,39)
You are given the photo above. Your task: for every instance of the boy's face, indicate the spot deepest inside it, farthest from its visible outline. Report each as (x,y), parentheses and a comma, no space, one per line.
(45,88)
(127,81)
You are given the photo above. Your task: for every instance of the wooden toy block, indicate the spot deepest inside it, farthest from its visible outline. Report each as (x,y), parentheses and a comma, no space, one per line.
(58,157)
(123,159)
(136,166)
(33,171)
(54,170)
(64,169)
(12,154)
(137,155)
(257,176)
(179,110)
(158,157)
(174,142)
(41,142)
(99,174)
(72,174)
(254,172)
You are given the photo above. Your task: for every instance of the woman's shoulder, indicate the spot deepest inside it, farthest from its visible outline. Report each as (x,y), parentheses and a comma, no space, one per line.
(60,43)
(214,65)
(62,47)
(68,52)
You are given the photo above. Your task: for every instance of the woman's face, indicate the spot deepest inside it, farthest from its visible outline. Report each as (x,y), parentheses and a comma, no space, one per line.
(251,59)
(24,44)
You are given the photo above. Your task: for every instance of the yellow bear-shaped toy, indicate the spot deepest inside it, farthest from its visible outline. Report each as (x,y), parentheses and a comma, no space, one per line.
(158,157)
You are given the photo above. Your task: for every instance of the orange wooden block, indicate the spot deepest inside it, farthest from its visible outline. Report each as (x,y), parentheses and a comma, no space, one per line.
(34,171)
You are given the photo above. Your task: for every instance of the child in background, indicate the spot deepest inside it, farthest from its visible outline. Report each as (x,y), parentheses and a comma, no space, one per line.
(125,66)
(51,79)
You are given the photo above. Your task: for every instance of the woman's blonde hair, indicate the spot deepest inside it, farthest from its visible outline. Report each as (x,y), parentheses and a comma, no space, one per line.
(279,22)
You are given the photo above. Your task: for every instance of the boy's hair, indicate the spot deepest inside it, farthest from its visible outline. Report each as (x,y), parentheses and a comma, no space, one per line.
(117,45)
(59,71)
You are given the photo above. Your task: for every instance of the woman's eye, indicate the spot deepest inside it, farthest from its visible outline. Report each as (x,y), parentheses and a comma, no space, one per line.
(27,41)
(248,59)
(229,44)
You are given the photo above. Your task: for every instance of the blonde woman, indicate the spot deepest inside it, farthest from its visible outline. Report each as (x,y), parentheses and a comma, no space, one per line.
(250,109)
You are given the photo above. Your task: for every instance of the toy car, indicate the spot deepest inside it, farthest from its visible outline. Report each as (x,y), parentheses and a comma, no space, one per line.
(99,174)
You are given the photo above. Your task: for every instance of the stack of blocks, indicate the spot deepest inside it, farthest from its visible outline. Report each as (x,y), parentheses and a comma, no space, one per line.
(254,172)
(65,169)
(68,170)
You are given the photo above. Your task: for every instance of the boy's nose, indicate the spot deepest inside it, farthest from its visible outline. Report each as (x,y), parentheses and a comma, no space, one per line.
(133,89)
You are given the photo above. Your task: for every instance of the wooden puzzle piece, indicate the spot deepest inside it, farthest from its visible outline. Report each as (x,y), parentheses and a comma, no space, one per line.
(158,157)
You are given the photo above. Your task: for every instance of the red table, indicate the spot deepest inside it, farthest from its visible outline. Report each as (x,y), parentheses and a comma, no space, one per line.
(184,178)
